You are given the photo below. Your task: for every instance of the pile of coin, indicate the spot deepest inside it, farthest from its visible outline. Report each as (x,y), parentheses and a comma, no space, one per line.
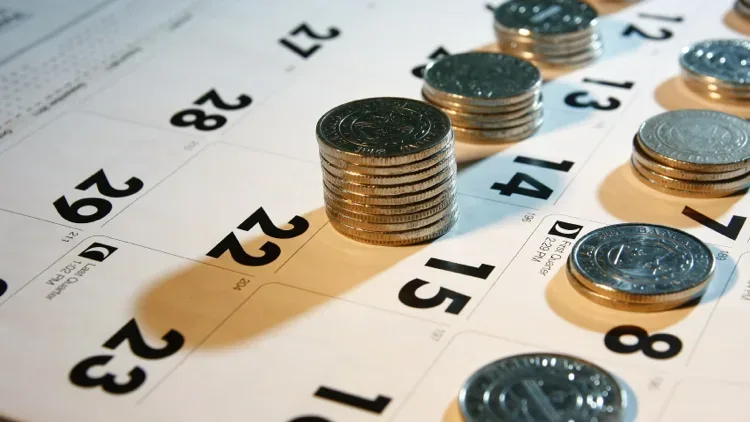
(743,8)
(693,153)
(489,97)
(640,267)
(389,170)
(542,387)
(549,32)
(718,69)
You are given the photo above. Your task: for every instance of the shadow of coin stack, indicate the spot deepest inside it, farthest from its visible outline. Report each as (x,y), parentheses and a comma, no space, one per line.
(693,153)
(718,69)
(550,33)
(489,97)
(389,170)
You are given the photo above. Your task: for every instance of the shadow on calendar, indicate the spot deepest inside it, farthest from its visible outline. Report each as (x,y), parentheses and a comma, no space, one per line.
(332,267)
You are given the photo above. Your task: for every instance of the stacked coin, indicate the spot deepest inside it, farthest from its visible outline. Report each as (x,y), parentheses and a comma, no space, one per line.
(640,267)
(693,153)
(549,32)
(718,69)
(743,8)
(542,387)
(489,97)
(389,170)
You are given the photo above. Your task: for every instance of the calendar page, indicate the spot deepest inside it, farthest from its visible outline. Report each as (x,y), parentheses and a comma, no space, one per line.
(138,138)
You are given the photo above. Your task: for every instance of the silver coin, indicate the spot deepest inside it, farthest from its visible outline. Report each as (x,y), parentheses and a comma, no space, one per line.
(383,131)
(542,387)
(725,60)
(575,59)
(697,140)
(511,134)
(642,263)
(711,84)
(495,120)
(482,78)
(543,44)
(698,176)
(443,104)
(546,17)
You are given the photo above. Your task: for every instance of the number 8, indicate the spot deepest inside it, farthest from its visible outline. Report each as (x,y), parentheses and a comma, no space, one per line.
(645,342)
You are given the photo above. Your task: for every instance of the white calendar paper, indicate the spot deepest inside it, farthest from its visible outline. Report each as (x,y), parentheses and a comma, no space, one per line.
(147,147)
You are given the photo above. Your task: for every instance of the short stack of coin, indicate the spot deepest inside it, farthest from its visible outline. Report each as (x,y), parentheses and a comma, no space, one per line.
(389,170)
(489,97)
(742,7)
(693,153)
(640,267)
(551,33)
(718,69)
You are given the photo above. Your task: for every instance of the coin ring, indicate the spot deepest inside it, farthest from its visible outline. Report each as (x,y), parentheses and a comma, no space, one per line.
(711,83)
(554,52)
(677,192)
(715,93)
(659,168)
(400,169)
(390,227)
(585,39)
(470,123)
(494,135)
(466,108)
(404,199)
(393,218)
(735,184)
(410,237)
(443,97)
(397,179)
(391,190)
(388,210)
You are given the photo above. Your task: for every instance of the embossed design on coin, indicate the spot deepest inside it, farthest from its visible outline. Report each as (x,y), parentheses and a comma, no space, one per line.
(725,60)
(696,137)
(383,127)
(546,16)
(483,75)
(642,262)
(542,387)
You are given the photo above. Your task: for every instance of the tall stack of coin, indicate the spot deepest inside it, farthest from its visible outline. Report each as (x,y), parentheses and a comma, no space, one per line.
(718,69)
(693,153)
(489,97)
(549,32)
(640,267)
(389,170)
(542,387)
(742,7)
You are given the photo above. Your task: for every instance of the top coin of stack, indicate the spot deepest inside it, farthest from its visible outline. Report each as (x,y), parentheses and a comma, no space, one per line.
(389,170)
(549,32)
(743,8)
(640,267)
(693,153)
(489,97)
(542,387)
(718,69)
